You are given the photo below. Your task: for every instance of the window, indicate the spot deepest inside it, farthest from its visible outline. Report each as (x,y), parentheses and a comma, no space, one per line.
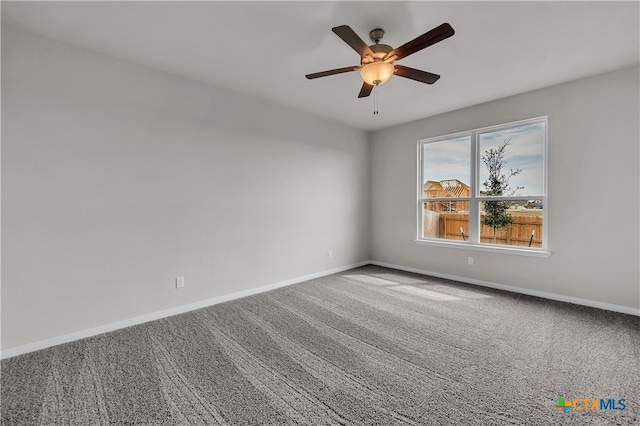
(485,188)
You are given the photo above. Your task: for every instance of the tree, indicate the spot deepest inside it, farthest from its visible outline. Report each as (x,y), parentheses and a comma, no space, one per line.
(497,184)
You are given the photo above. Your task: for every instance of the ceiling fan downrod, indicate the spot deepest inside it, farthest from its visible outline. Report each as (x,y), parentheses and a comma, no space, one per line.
(376,35)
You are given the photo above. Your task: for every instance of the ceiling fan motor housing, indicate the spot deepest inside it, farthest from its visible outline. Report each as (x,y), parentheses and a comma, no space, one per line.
(379,53)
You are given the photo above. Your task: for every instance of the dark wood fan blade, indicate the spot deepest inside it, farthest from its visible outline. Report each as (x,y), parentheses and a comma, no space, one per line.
(427,39)
(332,72)
(351,38)
(366,90)
(417,75)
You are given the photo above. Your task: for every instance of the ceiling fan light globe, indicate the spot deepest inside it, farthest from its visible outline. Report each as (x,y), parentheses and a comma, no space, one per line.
(377,73)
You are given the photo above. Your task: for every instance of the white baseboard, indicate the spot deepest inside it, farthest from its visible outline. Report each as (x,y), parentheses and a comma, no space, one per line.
(552,296)
(81,334)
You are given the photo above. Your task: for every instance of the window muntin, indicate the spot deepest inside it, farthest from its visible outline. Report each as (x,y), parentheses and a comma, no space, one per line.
(458,203)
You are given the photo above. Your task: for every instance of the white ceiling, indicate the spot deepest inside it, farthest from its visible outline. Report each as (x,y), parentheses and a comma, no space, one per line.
(265,48)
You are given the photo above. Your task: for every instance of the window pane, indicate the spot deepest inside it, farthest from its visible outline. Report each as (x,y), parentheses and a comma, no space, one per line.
(446,168)
(512,161)
(512,223)
(442,224)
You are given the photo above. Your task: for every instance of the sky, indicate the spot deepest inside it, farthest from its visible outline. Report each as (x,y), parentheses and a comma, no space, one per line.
(449,159)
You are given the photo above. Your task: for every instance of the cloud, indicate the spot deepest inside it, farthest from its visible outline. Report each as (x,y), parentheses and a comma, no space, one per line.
(449,159)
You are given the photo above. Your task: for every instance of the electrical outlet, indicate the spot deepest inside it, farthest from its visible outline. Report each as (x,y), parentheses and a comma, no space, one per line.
(330,254)
(179,282)
(470,260)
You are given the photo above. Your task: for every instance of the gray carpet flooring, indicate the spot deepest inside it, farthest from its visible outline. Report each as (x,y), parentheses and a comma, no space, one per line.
(369,346)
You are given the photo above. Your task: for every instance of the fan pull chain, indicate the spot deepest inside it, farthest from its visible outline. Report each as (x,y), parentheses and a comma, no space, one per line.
(375,100)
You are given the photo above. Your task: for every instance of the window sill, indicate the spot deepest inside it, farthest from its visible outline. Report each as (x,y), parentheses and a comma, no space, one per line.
(521,251)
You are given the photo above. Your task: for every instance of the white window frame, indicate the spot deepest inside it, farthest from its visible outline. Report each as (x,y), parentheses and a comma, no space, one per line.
(473,243)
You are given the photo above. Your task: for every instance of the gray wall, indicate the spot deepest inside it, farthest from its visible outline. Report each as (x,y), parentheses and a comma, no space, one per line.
(593,192)
(118,178)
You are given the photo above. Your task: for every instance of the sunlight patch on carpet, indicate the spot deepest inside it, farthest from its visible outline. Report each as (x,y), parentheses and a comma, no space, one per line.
(423,292)
(465,294)
(372,280)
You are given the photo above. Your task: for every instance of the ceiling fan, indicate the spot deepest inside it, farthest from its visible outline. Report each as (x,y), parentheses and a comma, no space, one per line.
(377,61)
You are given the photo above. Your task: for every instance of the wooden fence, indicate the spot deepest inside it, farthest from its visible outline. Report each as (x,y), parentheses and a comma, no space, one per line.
(518,234)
